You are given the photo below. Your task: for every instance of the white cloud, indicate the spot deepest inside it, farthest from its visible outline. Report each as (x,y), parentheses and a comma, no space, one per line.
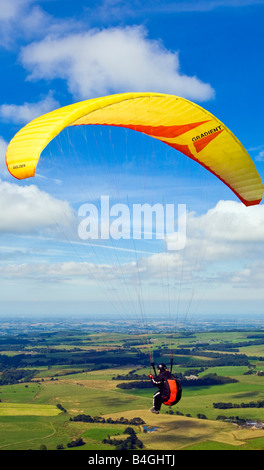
(252,275)
(209,268)
(258,153)
(228,234)
(111,60)
(13,14)
(26,209)
(221,259)
(223,247)
(65,271)
(117,10)
(260,156)
(232,221)
(22,114)
(11,10)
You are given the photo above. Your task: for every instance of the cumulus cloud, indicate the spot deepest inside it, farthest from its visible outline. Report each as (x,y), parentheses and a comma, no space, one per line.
(232,221)
(27,209)
(227,233)
(98,62)
(22,114)
(223,244)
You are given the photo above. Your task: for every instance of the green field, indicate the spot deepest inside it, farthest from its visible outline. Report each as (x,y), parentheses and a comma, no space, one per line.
(30,417)
(27,409)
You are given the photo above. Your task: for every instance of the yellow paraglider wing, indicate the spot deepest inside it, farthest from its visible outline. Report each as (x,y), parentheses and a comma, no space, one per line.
(175,121)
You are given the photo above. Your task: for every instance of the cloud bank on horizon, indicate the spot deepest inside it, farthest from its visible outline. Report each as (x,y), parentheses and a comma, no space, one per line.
(54,55)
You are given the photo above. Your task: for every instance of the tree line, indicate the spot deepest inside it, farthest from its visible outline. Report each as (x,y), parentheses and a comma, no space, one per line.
(209,379)
(130,443)
(99,419)
(14,376)
(228,405)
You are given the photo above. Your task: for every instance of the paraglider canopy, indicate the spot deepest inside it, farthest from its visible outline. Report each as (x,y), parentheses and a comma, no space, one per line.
(175,121)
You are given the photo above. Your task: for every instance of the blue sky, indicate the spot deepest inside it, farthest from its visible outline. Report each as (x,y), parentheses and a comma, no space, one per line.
(54,53)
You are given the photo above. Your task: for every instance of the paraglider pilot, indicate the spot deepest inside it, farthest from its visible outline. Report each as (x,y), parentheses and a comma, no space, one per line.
(169,392)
